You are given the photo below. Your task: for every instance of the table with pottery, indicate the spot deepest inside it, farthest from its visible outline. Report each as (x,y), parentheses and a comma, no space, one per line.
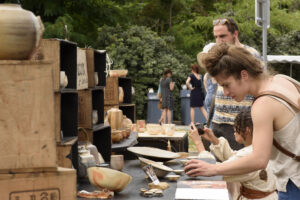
(165,136)
(128,180)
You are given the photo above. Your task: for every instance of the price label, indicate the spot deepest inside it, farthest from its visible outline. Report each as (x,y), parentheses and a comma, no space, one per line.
(46,194)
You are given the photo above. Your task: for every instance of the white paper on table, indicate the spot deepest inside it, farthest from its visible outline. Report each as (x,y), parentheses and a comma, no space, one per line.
(201,194)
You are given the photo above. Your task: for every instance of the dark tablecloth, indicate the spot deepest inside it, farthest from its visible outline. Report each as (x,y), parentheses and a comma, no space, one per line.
(132,191)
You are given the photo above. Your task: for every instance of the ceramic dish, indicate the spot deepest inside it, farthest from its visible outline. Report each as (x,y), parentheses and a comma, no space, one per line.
(178,171)
(159,169)
(173,177)
(153,153)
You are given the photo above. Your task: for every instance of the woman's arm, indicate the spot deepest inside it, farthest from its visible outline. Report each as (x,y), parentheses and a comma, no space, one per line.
(205,80)
(188,80)
(262,115)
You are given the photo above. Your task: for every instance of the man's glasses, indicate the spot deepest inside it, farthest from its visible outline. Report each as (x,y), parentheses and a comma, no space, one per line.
(220,21)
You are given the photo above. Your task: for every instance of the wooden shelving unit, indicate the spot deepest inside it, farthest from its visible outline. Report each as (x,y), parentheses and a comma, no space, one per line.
(92,99)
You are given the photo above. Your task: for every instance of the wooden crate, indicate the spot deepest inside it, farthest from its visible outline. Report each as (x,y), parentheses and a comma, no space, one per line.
(111,91)
(82,75)
(63,54)
(27,128)
(59,185)
(88,101)
(96,62)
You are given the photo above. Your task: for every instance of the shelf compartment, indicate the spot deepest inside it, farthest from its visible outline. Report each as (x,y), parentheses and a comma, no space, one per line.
(69,114)
(90,100)
(63,55)
(102,140)
(96,62)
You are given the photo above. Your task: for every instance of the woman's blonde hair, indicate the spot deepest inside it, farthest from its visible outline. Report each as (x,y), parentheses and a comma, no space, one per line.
(229,60)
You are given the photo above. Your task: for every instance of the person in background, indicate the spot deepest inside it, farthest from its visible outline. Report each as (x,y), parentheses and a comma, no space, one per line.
(225,30)
(260,184)
(194,83)
(167,86)
(161,119)
(210,85)
(275,114)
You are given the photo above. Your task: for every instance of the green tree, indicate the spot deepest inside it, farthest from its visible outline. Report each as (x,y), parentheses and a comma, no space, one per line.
(146,56)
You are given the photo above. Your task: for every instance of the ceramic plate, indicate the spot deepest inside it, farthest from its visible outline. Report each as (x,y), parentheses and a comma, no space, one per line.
(153,153)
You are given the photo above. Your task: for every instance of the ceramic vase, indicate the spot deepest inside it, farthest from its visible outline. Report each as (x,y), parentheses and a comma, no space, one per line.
(20,32)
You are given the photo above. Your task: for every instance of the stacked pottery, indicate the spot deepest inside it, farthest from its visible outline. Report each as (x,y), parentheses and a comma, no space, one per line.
(20,32)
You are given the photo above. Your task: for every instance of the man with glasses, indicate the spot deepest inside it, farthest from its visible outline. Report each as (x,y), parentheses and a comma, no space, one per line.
(226,108)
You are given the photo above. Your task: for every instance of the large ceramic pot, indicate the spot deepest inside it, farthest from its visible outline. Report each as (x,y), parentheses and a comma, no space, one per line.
(20,32)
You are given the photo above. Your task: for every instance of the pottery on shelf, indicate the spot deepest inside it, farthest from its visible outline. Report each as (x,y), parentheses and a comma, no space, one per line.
(20,32)
(111,179)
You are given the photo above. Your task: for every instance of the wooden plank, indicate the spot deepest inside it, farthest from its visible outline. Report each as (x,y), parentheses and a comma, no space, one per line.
(82,74)
(62,152)
(27,126)
(85,108)
(111,91)
(60,185)
(57,105)
(90,60)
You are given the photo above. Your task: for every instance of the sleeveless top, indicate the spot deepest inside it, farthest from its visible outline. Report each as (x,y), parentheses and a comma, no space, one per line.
(284,167)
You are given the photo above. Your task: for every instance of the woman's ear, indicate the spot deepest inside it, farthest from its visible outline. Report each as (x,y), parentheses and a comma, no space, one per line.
(244,75)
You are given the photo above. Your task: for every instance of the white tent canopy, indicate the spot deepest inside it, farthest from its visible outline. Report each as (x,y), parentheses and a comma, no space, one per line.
(284,59)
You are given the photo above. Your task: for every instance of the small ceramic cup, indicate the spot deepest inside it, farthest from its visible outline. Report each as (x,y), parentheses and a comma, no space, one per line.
(96,78)
(117,162)
(63,79)
(95,116)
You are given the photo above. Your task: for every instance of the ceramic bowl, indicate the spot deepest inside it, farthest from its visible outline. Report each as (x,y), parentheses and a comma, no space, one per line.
(111,179)
(178,171)
(159,169)
(183,161)
(118,73)
(173,177)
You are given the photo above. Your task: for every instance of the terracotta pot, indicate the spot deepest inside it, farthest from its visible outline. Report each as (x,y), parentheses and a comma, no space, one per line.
(20,32)
(108,178)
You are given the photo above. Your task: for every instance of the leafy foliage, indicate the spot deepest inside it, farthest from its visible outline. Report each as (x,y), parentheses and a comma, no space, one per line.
(146,56)
(148,36)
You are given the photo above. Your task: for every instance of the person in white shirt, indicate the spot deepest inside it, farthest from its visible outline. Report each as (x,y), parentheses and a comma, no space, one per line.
(260,184)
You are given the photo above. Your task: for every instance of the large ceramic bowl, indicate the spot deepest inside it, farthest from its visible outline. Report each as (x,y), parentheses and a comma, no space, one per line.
(159,169)
(118,73)
(111,179)
(153,153)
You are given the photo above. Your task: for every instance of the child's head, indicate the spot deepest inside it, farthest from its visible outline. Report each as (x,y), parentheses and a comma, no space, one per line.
(243,126)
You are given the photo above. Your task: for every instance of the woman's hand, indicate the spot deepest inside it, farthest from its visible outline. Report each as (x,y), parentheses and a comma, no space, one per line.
(195,168)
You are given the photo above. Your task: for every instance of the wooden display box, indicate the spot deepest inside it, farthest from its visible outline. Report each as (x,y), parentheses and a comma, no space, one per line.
(58,185)
(91,100)
(96,62)
(63,54)
(111,94)
(129,111)
(27,128)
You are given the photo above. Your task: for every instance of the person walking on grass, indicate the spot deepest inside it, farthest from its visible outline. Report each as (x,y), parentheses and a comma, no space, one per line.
(167,86)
